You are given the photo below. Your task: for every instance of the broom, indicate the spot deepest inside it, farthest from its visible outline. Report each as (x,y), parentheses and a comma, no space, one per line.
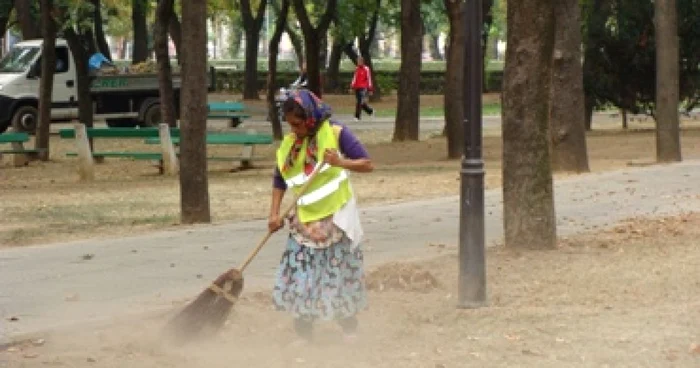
(207,313)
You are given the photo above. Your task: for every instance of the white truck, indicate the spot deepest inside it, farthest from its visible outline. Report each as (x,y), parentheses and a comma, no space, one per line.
(122,100)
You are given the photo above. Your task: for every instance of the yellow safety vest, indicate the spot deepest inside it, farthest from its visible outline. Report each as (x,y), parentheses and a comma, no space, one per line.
(330,189)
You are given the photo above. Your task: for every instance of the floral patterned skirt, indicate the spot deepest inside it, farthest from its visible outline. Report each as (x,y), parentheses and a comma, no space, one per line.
(326,284)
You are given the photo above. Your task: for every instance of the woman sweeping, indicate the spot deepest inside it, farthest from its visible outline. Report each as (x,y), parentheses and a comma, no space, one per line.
(321,274)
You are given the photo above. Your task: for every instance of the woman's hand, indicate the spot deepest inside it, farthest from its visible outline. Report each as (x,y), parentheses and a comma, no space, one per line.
(332,157)
(274,223)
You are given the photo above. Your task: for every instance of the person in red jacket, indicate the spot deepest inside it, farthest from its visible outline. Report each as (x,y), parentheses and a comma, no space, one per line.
(362,85)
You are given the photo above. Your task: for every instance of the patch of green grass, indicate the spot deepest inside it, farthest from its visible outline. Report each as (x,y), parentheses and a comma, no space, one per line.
(436,112)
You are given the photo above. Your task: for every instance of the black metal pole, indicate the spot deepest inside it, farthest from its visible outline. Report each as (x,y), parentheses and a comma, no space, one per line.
(472,255)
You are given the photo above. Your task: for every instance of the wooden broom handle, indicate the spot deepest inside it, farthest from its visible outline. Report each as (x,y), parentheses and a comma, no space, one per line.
(289,208)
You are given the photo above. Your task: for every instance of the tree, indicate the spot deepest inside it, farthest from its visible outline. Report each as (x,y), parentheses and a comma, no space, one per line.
(313,39)
(272,68)
(76,18)
(194,186)
(25,13)
(100,37)
(434,22)
(528,200)
(164,10)
(620,54)
(567,125)
(252,26)
(6,7)
(408,109)
(175,31)
(366,40)
(48,67)
(139,10)
(297,43)
(454,79)
(668,144)
(359,20)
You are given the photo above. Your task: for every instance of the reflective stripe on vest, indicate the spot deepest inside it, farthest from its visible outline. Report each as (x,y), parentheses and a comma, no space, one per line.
(324,191)
(301,178)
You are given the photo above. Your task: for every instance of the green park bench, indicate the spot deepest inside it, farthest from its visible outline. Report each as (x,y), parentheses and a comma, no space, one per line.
(247,140)
(151,136)
(16,142)
(119,133)
(233,111)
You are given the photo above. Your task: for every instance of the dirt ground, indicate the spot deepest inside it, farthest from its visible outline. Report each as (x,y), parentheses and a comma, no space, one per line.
(625,297)
(45,202)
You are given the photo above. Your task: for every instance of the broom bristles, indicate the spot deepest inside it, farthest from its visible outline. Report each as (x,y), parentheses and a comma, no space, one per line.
(206,314)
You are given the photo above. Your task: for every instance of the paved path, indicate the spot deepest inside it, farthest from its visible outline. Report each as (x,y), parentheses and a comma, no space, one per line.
(53,285)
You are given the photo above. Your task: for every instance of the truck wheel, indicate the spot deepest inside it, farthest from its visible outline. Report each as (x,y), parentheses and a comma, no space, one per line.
(152,117)
(26,119)
(122,123)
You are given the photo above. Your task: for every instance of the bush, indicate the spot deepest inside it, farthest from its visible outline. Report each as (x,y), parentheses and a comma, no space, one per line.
(432,82)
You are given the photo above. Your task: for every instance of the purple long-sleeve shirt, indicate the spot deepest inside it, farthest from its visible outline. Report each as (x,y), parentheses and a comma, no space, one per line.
(349,145)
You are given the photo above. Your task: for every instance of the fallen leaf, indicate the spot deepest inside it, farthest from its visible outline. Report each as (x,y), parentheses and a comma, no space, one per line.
(694,348)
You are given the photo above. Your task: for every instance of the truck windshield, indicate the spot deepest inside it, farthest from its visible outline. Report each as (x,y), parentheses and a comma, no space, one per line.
(18,59)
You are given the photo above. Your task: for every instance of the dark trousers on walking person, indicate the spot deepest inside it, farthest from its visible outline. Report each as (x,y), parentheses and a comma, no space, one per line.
(361,103)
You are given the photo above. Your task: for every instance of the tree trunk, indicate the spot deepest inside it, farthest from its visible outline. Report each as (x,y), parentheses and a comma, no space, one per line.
(313,38)
(100,37)
(89,39)
(252,26)
(175,31)
(528,199)
(350,52)
(76,42)
(138,17)
(567,125)
(6,8)
(313,63)
(272,69)
(250,75)
(194,185)
(333,72)
(454,80)
(434,43)
(589,104)
(236,41)
(487,18)
(164,11)
(297,43)
(28,24)
(48,67)
(122,50)
(668,143)
(366,41)
(323,53)
(407,126)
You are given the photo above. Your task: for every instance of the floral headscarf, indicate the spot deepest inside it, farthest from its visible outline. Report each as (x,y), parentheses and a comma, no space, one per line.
(317,112)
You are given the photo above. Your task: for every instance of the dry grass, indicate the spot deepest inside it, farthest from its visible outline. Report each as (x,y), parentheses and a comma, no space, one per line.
(45,202)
